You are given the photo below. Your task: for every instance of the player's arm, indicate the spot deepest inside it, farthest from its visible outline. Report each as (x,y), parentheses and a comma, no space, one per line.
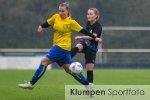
(85,32)
(97,33)
(84,37)
(44,25)
(48,23)
(87,38)
(78,28)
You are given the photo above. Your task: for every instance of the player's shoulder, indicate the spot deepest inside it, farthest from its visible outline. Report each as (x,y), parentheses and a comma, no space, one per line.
(54,15)
(73,21)
(98,25)
(97,28)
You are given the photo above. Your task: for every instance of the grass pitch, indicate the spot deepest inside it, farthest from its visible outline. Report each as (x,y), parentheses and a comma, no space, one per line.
(52,85)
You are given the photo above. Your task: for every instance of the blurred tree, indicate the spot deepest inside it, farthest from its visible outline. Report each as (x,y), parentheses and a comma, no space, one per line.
(19,20)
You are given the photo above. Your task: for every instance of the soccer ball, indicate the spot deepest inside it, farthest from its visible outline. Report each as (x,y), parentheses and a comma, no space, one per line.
(76,67)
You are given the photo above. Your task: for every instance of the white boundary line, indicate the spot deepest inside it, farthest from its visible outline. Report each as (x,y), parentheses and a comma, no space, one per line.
(125,28)
(125,50)
(46,50)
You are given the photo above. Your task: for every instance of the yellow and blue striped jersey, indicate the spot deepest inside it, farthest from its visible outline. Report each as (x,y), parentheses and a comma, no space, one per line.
(63,29)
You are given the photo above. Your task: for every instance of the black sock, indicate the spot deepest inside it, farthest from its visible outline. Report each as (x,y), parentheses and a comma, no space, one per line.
(90,76)
(74,51)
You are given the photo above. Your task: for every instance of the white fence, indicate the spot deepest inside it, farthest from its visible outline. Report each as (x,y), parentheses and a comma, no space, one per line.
(30,58)
(21,58)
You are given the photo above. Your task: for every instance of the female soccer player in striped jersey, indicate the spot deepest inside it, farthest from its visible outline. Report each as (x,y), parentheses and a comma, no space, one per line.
(63,27)
(88,45)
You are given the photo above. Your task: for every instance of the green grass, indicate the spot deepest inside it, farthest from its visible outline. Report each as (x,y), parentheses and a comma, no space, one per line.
(52,84)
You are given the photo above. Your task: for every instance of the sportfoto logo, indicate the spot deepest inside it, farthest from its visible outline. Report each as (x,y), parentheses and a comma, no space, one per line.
(107,92)
(86,92)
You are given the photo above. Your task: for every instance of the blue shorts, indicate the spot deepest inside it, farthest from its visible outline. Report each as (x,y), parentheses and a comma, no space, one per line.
(59,55)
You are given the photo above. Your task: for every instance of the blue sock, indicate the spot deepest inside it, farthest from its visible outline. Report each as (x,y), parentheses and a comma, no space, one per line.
(38,74)
(83,79)
(80,78)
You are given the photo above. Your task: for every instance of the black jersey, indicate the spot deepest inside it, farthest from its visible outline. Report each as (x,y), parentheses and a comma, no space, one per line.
(96,28)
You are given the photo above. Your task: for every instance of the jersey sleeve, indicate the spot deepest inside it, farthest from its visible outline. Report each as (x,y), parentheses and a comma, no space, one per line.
(98,31)
(75,26)
(51,20)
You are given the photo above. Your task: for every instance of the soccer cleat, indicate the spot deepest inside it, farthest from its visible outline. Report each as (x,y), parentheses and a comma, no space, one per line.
(26,85)
(89,89)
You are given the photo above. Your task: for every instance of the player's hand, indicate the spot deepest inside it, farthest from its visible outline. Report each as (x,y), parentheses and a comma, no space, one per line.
(78,37)
(40,29)
(99,40)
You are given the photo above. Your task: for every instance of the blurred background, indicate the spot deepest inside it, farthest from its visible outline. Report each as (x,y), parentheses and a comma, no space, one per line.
(125,32)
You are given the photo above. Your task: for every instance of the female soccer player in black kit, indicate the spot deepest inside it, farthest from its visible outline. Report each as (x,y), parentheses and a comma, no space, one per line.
(87,45)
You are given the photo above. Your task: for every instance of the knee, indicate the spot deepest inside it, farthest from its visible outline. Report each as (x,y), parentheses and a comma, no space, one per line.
(90,67)
(45,62)
(80,47)
(67,71)
(66,68)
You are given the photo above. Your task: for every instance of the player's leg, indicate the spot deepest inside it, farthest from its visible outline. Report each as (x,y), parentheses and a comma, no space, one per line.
(37,75)
(79,77)
(41,70)
(49,59)
(66,61)
(75,50)
(90,61)
(89,68)
(90,78)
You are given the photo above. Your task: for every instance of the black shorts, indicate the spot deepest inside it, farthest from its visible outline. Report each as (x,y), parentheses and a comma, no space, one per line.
(90,55)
